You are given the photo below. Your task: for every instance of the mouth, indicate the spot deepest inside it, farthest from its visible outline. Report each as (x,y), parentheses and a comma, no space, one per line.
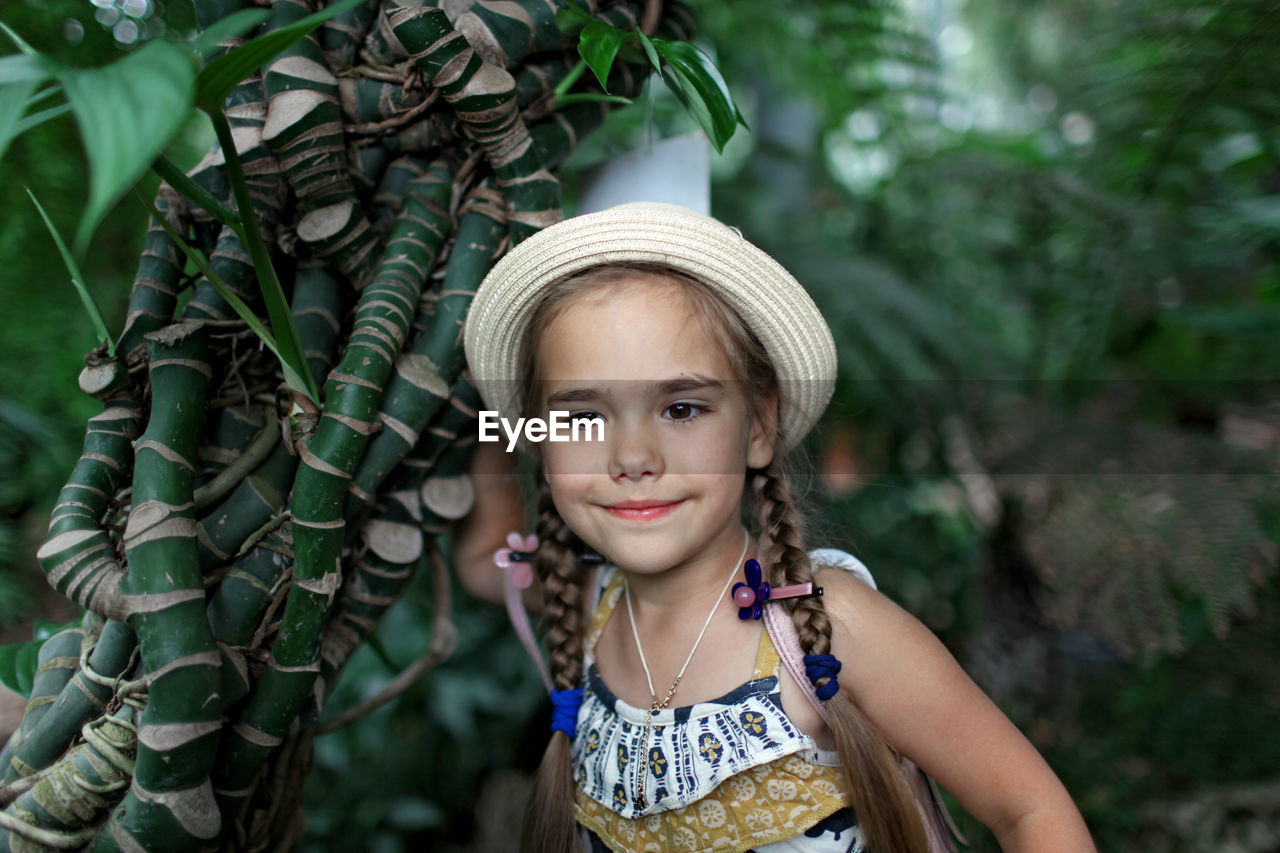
(642,510)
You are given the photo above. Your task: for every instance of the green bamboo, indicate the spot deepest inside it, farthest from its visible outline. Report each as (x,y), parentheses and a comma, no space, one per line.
(66,806)
(431,363)
(249,594)
(342,35)
(236,609)
(263,492)
(504,34)
(78,557)
(55,665)
(155,286)
(382,48)
(391,188)
(352,394)
(230,260)
(395,537)
(231,430)
(304,129)
(483,96)
(170,802)
(82,699)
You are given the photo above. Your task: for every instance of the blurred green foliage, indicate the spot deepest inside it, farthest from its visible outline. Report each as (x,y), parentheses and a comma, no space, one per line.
(1072,205)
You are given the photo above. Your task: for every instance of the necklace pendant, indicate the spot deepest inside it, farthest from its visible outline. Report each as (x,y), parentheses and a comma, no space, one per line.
(641,802)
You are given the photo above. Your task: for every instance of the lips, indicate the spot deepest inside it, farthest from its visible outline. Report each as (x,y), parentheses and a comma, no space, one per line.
(642,510)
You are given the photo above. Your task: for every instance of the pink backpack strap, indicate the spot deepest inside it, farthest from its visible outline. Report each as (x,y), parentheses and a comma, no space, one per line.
(939,827)
(514,597)
(782,631)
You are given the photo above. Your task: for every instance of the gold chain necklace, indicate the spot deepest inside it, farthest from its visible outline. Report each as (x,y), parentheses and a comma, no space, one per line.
(655,706)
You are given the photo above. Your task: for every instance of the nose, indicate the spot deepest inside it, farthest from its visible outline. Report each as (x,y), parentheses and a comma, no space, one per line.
(634,452)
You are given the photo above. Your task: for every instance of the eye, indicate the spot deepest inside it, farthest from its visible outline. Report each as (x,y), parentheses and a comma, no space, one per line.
(585,415)
(682,411)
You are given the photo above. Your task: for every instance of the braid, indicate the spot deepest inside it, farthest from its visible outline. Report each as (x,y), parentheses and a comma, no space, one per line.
(557,567)
(886,811)
(550,821)
(782,549)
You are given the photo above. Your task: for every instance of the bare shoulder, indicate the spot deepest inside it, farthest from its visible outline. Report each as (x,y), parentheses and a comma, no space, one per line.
(909,685)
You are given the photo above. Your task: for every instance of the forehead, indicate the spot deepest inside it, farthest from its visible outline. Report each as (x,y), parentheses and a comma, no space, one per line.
(639,327)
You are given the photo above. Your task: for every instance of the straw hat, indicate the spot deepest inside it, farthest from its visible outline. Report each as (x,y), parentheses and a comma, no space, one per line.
(771,302)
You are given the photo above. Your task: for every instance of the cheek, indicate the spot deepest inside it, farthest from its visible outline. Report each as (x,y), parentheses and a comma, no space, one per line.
(572,458)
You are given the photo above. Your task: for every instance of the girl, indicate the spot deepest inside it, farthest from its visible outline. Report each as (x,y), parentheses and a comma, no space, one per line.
(676,727)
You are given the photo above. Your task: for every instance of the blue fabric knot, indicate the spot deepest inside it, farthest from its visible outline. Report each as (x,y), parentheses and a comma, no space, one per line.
(564,713)
(818,667)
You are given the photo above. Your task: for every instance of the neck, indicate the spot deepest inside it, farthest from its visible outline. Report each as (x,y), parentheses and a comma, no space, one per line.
(691,586)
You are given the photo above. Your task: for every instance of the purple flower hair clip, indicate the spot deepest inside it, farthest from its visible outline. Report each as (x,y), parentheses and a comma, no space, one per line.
(752,595)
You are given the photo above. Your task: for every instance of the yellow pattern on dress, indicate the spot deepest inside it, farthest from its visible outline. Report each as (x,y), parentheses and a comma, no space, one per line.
(756,807)
(759,806)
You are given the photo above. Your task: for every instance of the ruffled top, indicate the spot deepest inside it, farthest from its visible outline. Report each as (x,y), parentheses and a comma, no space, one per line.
(729,774)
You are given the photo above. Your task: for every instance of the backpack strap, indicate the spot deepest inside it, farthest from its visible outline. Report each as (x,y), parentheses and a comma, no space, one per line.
(939,827)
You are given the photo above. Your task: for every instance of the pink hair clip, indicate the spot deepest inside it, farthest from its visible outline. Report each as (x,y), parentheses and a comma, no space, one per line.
(519,554)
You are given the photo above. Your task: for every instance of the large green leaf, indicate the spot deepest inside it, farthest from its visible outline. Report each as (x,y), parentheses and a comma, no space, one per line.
(18,663)
(230,27)
(20,74)
(598,45)
(13,103)
(696,81)
(128,113)
(572,18)
(219,77)
(19,67)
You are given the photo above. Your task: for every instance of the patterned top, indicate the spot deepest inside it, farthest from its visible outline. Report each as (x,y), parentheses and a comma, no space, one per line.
(733,774)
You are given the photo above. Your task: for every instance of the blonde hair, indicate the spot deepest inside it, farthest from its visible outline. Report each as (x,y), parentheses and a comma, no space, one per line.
(883,804)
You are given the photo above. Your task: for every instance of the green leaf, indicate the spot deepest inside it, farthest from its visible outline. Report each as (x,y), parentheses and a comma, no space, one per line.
(649,50)
(39,118)
(17,40)
(572,18)
(230,27)
(219,77)
(8,665)
(696,81)
(18,662)
(598,45)
(19,67)
(25,666)
(14,98)
(178,179)
(77,280)
(128,113)
(590,98)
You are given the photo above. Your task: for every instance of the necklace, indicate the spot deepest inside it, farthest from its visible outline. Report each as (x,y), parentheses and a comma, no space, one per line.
(655,706)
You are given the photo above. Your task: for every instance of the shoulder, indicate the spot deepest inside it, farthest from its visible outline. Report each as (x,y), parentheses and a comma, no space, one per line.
(849,592)
(869,631)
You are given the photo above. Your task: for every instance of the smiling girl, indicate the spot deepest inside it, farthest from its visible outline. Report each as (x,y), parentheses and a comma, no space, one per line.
(680,722)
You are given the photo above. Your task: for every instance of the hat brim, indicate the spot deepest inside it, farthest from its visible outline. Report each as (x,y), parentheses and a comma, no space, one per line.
(770,301)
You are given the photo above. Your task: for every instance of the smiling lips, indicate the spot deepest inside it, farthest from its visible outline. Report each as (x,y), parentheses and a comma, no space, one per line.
(642,510)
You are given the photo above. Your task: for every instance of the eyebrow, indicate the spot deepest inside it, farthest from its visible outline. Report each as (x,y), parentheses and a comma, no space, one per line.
(663,387)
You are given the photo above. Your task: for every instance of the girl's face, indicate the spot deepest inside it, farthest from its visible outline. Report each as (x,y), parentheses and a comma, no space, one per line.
(663,488)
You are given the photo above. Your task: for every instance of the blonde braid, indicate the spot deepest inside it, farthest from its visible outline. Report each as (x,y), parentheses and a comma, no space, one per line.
(885,808)
(550,824)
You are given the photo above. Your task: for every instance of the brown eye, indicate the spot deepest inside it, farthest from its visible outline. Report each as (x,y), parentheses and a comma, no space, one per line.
(682,411)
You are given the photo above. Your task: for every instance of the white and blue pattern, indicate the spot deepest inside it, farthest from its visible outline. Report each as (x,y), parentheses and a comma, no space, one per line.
(691,749)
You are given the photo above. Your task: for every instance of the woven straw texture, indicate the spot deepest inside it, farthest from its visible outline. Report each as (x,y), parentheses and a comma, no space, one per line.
(766,296)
